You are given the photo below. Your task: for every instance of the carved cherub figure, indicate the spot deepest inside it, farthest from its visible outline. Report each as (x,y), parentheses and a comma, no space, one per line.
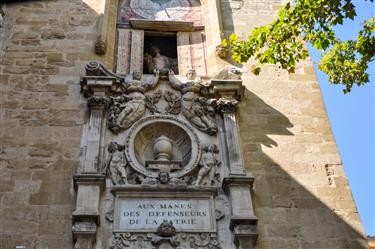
(166,229)
(164,177)
(198,110)
(209,164)
(117,164)
(128,108)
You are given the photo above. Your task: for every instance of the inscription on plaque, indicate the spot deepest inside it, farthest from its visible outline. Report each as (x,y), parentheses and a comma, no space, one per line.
(146,214)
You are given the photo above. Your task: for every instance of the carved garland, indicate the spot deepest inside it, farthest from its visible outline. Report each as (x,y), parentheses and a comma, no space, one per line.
(154,241)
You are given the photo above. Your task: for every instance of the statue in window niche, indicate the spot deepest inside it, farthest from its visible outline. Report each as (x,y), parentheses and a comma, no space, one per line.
(116,165)
(209,165)
(128,108)
(198,110)
(156,60)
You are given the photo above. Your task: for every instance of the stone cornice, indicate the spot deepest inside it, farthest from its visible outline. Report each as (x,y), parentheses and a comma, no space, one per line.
(89,179)
(241,180)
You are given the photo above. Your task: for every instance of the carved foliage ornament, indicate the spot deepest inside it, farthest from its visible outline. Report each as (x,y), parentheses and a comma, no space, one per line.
(154,241)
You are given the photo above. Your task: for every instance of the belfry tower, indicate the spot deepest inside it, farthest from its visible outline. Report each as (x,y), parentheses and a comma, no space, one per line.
(125,125)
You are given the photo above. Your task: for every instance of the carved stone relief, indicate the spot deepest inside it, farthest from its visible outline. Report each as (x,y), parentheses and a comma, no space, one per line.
(164,141)
(130,106)
(154,241)
(140,148)
(208,173)
(174,102)
(152,100)
(117,163)
(163,151)
(198,110)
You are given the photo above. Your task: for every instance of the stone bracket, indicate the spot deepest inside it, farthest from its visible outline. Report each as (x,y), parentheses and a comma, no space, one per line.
(229,89)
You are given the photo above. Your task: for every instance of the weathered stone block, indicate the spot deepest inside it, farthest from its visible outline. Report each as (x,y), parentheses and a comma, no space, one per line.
(53,34)
(42,198)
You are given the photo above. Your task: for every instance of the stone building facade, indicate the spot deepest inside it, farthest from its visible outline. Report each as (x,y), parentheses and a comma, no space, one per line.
(74,116)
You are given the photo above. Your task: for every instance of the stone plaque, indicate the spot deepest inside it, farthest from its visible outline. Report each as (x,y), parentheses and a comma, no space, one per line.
(145,212)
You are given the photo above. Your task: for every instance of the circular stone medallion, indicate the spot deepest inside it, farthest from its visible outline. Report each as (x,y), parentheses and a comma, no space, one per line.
(142,137)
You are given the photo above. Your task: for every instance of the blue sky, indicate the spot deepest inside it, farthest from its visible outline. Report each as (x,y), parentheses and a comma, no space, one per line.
(352,121)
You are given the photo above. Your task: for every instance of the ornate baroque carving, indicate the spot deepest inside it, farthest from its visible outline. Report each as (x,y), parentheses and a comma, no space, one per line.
(185,143)
(100,47)
(152,100)
(116,164)
(154,241)
(128,108)
(208,174)
(226,105)
(166,229)
(198,110)
(174,102)
(97,101)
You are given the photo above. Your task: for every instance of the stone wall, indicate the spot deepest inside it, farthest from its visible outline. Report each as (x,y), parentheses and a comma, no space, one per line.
(301,195)
(44,50)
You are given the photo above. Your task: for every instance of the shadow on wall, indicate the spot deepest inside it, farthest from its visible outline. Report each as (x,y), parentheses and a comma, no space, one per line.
(300,202)
(291,216)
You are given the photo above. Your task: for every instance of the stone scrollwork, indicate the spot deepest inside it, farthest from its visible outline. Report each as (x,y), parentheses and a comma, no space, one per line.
(198,110)
(208,173)
(155,241)
(128,108)
(93,68)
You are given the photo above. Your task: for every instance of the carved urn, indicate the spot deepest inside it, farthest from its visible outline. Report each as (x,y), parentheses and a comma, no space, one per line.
(162,148)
